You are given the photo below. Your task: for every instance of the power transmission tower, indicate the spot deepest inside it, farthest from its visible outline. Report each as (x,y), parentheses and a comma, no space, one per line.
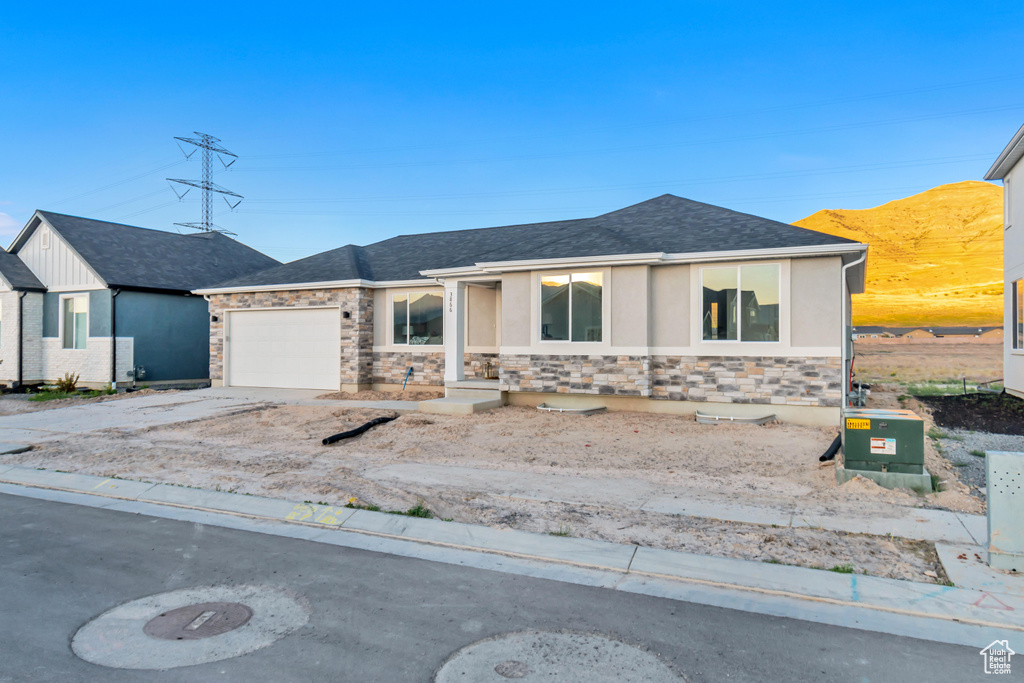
(210,146)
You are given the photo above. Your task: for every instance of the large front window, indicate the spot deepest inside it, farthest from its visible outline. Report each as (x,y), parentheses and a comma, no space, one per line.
(1017,315)
(418,318)
(75,321)
(571,307)
(740,303)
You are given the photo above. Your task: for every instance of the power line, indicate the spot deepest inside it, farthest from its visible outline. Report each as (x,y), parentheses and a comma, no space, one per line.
(671,122)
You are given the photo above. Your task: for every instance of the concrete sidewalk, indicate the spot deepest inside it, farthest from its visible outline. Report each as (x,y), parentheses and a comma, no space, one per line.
(636,494)
(947,613)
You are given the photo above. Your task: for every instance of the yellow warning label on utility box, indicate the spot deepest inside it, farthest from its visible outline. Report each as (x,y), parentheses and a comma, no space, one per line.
(857,423)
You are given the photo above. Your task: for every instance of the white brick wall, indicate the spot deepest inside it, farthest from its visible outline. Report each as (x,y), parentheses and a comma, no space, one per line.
(8,336)
(91,364)
(33,333)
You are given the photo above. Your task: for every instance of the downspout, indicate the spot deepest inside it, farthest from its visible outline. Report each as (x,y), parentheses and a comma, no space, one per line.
(113,338)
(21,338)
(842,322)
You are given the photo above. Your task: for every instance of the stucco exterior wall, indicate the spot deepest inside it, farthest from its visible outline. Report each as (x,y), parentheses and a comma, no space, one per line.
(482,315)
(814,311)
(670,306)
(630,294)
(356,331)
(516,309)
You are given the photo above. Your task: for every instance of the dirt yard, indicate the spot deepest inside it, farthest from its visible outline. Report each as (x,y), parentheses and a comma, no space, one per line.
(608,476)
(922,360)
(16,404)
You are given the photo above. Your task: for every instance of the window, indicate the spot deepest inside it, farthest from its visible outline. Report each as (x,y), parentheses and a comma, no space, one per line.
(418,318)
(1017,314)
(75,321)
(571,307)
(753,315)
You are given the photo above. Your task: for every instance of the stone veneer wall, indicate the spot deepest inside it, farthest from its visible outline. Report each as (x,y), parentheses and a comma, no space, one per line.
(790,380)
(775,380)
(607,375)
(356,331)
(389,367)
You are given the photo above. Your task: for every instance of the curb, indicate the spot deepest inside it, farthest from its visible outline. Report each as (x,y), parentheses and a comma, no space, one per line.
(631,563)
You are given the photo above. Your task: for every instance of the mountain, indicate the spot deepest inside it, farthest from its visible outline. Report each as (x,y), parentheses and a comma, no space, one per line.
(935,258)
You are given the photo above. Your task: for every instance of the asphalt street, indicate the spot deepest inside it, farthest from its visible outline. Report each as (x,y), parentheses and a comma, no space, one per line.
(379,617)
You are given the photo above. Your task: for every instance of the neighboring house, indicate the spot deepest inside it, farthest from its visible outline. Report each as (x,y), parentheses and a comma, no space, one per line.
(873,332)
(605,310)
(69,286)
(1010,170)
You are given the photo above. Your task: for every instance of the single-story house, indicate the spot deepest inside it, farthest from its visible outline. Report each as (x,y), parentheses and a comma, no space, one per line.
(1009,168)
(667,305)
(70,286)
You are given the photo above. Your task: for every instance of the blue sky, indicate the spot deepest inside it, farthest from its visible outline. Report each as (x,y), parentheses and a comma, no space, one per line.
(357,122)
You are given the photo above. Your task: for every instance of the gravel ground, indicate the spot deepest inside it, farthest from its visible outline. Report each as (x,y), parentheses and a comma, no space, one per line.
(971,468)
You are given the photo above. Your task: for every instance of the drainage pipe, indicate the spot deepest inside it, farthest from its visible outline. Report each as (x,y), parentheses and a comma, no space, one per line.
(357,431)
(830,454)
(406,380)
(842,321)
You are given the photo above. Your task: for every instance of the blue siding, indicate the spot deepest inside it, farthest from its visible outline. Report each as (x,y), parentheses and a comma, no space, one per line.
(171,332)
(99,312)
(51,314)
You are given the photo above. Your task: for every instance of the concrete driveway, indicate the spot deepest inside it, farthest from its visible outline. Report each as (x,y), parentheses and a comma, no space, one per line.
(143,411)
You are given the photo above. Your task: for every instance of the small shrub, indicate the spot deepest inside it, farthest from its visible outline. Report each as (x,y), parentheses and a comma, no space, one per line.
(419,511)
(842,568)
(935,433)
(562,531)
(960,463)
(978,453)
(67,384)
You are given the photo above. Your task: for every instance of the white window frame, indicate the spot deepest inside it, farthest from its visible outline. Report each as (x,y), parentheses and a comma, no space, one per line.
(391,319)
(604,310)
(739,302)
(60,327)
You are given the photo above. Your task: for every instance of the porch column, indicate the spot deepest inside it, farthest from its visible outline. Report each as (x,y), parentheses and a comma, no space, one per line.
(454,331)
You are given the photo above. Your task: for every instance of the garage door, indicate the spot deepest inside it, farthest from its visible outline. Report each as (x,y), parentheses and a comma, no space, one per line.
(289,348)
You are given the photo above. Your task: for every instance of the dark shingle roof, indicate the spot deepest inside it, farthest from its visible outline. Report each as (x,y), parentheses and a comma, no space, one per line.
(667,224)
(17,274)
(127,256)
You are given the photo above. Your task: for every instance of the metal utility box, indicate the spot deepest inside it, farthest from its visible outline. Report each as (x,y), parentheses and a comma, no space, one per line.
(883,441)
(1005,477)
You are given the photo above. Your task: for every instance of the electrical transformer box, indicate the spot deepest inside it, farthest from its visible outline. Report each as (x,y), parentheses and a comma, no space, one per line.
(883,441)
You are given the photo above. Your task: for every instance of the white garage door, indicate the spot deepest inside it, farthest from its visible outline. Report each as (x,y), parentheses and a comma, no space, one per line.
(288,348)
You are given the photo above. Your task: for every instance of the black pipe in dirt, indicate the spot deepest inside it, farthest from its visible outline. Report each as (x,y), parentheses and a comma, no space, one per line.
(830,454)
(357,431)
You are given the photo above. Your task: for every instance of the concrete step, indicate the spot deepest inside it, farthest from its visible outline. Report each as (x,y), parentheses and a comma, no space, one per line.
(459,406)
(466,392)
(474,383)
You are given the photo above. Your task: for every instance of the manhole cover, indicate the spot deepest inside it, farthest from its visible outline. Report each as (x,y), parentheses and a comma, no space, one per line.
(190,626)
(567,657)
(193,622)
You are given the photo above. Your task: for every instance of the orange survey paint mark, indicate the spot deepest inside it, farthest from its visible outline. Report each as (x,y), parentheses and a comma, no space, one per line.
(987,601)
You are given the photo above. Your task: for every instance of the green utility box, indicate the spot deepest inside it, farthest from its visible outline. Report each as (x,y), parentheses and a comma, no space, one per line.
(883,441)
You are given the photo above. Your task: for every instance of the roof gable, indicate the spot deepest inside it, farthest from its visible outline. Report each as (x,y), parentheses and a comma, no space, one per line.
(128,256)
